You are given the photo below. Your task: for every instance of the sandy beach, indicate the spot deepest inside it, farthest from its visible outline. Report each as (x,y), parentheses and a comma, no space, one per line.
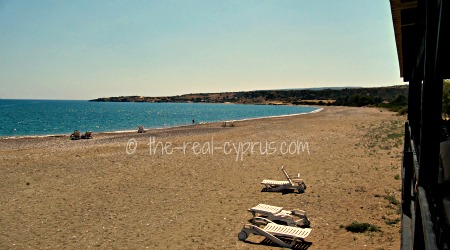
(190,187)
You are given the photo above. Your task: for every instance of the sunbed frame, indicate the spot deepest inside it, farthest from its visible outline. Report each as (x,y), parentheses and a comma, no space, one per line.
(293,217)
(293,182)
(275,233)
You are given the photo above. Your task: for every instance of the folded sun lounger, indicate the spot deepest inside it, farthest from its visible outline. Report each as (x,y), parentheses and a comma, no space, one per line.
(293,217)
(76,135)
(293,182)
(227,124)
(275,233)
(87,135)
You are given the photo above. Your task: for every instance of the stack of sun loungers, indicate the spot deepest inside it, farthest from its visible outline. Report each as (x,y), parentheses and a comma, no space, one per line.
(285,228)
(76,135)
(293,217)
(276,233)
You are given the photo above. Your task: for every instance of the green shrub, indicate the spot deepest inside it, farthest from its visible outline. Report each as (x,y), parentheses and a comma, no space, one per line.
(357,227)
(391,199)
(392,222)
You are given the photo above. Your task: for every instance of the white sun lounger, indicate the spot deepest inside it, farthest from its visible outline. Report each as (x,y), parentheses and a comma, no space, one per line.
(293,182)
(227,124)
(273,231)
(294,217)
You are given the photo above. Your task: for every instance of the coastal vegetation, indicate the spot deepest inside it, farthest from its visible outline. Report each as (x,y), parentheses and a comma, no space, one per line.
(361,227)
(393,98)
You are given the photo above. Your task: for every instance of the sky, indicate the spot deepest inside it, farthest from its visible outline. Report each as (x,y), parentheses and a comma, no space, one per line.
(84,49)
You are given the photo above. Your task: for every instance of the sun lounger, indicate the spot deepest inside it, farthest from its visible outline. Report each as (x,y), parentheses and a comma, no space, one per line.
(76,135)
(228,124)
(141,129)
(294,217)
(293,182)
(87,135)
(275,233)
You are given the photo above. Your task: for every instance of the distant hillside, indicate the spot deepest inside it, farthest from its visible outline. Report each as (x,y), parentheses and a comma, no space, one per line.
(321,88)
(389,97)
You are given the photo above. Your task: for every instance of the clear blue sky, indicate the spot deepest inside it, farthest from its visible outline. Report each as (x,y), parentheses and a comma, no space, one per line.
(84,49)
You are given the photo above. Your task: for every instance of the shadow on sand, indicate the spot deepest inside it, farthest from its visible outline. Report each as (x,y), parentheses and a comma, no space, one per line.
(285,191)
(266,242)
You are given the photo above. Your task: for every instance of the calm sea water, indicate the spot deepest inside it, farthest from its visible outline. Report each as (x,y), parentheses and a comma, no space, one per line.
(50,117)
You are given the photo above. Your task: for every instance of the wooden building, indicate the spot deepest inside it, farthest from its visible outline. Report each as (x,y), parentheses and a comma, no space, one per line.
(422,31)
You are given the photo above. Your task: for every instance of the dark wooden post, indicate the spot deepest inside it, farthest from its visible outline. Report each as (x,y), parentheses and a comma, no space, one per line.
(431,121)
(431,103)
(414,106)
(407,172)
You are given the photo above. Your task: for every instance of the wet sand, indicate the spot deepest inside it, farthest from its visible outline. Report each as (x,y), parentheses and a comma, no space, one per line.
(190,187)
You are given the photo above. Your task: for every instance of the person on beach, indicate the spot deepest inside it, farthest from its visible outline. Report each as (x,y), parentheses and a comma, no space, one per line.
(193,121)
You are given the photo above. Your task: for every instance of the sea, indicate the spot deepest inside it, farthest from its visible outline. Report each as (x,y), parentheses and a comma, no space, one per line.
(58,117)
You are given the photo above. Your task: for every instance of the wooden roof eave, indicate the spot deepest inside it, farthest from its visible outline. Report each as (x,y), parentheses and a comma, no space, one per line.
(396,8)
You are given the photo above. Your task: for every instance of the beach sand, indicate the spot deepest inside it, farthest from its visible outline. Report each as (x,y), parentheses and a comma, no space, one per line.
(113,191)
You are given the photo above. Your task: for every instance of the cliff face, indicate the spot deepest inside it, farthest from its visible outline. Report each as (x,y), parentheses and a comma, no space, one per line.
(345,96)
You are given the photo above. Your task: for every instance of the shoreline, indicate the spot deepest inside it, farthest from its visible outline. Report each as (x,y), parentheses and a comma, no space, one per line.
(317,109)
